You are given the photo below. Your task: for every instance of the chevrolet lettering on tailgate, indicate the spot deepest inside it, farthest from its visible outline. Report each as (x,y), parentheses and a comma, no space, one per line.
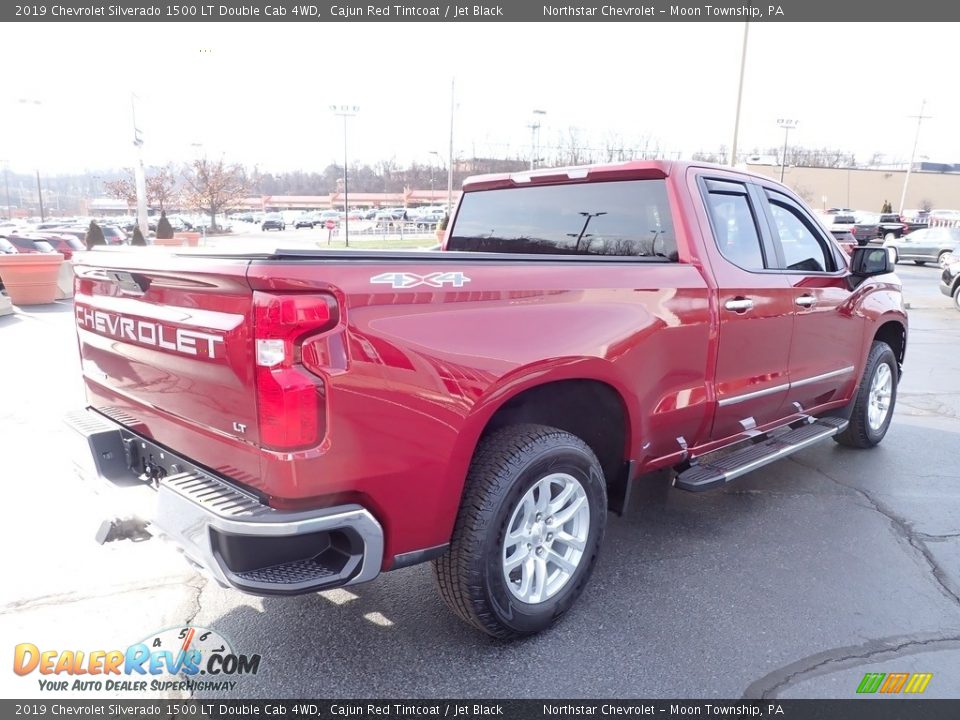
(145,332)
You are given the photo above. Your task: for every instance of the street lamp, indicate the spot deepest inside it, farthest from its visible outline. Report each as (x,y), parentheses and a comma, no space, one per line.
(432,166)
(736,118)
(6,186)
(345,111)
(787,126)
(535,137)
(36,104)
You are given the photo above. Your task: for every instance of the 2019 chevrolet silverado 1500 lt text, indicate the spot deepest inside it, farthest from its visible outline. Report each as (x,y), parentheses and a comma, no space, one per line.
(301,420)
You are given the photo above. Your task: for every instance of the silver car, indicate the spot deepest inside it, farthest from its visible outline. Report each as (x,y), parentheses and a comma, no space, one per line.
(938,244)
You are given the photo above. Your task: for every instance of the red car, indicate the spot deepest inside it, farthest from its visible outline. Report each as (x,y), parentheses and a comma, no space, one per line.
(30,243)
(308,419)
(63,243)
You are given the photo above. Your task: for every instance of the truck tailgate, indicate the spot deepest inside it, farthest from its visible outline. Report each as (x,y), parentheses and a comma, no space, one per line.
(166,348)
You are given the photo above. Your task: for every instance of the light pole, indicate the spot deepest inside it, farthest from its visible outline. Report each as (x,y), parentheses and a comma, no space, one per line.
(916,139)
(432,167)
(345,111)
(139,174)
(787,126)
(535,137)
(35,103)
(736,119)
(6,186)
(453,82)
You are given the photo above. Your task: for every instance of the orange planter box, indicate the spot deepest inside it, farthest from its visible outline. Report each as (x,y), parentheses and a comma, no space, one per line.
(192,239)
(31,278)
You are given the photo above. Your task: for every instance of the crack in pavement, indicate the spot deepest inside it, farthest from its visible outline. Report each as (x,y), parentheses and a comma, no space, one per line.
(902,528)
(850,656)
(843,658)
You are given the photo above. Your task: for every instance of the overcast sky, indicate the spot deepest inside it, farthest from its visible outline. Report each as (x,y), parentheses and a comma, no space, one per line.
(260,93)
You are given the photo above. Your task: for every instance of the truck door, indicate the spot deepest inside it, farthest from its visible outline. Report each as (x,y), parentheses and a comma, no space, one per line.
(755,311)
(827,333)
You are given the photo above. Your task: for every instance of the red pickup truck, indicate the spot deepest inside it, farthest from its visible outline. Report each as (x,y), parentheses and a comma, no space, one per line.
(300,420)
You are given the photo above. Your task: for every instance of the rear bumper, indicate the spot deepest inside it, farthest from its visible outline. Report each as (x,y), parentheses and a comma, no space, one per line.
(226,531)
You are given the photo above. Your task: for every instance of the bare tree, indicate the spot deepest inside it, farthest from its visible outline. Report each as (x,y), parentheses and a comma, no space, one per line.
(926,205)
(162,188)
(214,186)
(123,189)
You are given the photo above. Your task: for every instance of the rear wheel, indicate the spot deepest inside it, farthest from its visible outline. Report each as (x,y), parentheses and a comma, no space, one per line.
(944,258)
(527,535)
(956,296)
(874,399)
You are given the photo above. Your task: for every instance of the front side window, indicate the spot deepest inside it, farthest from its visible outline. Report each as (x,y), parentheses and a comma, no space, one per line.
(621,218)
(802,250)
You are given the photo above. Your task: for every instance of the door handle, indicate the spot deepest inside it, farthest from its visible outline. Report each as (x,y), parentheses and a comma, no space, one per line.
(739,304)
(806,301)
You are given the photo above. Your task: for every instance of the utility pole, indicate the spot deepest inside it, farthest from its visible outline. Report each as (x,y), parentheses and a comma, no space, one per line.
(916,139)
(453,82)
(736,120)
(787,126)
(345,111)
(535,138)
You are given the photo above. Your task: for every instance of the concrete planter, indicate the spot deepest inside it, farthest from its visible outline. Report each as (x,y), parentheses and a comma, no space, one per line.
(65,280)
(172,242)
(190,239)
(31,279)
(6,307)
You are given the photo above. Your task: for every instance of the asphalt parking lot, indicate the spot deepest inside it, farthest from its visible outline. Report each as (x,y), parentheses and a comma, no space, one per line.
(792,582)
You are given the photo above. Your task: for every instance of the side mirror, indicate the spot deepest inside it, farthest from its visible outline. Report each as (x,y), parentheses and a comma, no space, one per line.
(868,261)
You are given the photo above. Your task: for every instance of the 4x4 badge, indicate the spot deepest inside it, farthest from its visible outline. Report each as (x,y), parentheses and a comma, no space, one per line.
(401,280)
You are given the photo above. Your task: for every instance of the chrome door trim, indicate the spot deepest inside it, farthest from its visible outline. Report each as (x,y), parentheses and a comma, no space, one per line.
(735,399)
(825,376)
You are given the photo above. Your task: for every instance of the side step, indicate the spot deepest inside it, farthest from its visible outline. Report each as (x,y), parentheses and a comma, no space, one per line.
(718,468)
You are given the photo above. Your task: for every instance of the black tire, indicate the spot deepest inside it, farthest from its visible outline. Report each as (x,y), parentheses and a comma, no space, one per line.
(956,297)
(506,465)
(859,433)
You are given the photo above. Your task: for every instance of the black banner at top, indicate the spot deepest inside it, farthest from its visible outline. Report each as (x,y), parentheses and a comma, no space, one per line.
(327,11)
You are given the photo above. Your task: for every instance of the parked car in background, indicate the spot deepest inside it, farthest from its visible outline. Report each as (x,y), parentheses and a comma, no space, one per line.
(7,247)
(306,220)
(273,221)
(846,240)
(847,222)
(891,226)
(114,235)
(328,215)
(30,244)
(950,282)
(939,245)
(63,243)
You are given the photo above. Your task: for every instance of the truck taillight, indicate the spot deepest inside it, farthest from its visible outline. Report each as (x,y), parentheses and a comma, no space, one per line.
(290,400)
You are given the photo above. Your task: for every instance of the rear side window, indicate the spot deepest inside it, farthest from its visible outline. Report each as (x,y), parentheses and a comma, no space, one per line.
(802,250)
(623,218)
(735,228)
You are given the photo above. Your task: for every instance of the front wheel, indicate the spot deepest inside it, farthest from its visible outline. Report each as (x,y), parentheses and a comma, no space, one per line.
(874,399)
(956,296)
(528,532)
(944,258)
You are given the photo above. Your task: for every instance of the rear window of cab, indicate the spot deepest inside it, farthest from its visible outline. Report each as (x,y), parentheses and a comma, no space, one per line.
(629,218)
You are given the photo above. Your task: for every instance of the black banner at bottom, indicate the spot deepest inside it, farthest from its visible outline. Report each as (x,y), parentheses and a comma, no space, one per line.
(854,709)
